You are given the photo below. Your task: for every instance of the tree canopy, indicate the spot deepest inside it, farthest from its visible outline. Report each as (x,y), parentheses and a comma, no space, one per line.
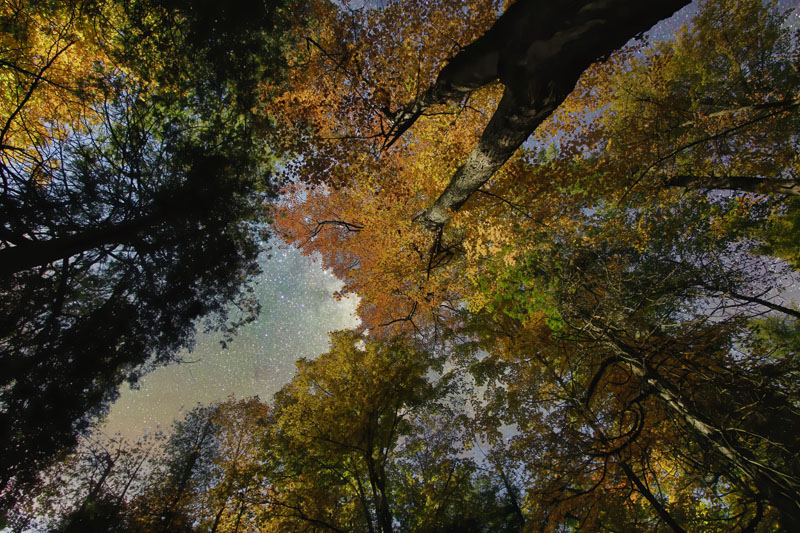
(575,255)
(132,199)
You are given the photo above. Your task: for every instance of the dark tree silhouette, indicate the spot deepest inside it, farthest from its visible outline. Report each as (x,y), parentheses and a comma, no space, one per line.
(118,237)
(152,252)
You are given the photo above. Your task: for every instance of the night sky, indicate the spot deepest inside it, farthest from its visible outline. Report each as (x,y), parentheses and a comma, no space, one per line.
(298,310)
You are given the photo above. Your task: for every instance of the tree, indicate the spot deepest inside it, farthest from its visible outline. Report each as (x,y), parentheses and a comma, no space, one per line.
(208,476)
(208,55)
(617,310)
(338,423)
(438,486)
(612,319)
(52,68)
(713,108)
(205,477)
(85,320)
(335,111)
(629,347)
(669,361)
(537,51)
(232,500)
(539,64)
(89,489)
(133,213)
(365,438)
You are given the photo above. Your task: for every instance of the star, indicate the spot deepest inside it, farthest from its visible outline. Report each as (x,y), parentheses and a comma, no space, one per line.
(260,358)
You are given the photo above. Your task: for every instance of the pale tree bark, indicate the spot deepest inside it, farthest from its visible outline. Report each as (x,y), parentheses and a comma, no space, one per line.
(537,49)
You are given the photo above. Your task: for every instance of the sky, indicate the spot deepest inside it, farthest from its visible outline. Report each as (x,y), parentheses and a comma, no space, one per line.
(298,311)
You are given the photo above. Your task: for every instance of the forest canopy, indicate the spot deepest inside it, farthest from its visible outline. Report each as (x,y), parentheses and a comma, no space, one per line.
(133,185)
(574,247)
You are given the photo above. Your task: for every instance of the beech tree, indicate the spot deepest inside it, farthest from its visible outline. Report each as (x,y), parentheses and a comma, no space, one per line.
(536,50)
(232,498)
(50,71)
(406,279)
(366,438)
(620,338)
(339,110)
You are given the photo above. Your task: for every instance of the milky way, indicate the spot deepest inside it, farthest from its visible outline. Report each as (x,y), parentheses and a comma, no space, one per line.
(298,310)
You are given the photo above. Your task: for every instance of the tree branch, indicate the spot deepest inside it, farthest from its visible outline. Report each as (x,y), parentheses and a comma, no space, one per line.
(736,183)
(538,50)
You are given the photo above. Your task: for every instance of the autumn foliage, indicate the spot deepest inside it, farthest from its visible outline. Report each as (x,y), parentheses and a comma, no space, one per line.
(601,338)
(581,266)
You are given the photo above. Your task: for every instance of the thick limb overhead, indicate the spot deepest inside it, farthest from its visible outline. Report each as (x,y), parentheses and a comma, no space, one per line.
(752,184)
(538,50)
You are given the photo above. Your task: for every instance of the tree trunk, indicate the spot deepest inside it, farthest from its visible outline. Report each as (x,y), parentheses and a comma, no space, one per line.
(170,511)
(381,502)
(512,496)
(650,497)
(218,517)
(538,49)
(779,488)
(195,196)
(37,253)
(98,487)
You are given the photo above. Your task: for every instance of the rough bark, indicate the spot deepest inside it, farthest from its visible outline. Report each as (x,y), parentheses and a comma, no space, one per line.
(538,50)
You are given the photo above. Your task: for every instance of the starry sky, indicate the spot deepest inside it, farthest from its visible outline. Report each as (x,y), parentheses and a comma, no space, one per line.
(298,311)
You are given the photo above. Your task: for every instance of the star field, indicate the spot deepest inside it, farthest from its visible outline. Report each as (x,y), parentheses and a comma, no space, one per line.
(298,311)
